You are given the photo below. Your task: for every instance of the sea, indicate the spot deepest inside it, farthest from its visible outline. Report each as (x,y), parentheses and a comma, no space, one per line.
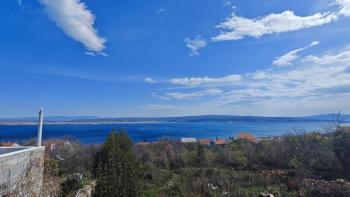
(96,133)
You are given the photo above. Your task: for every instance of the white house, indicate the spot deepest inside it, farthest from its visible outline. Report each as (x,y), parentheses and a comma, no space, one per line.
(188,140)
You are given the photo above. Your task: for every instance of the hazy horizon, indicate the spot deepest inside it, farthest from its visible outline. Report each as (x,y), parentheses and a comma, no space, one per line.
(106,117)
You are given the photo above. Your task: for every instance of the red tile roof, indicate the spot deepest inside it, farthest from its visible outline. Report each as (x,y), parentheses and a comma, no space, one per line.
(204,141)
(220,141)
(143,143)
(247,136)
(9,144)
(346,128)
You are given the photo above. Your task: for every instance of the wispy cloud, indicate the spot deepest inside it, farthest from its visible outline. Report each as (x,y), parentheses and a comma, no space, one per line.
(90,53)
(237,27)
(226,3)
(344,7)
(161,11)
(20,3)
(314,84)
(195,44)
(159,107)
(288,58)
(196,81)
(193,95)
(73,17)
(314,77)
(150,80)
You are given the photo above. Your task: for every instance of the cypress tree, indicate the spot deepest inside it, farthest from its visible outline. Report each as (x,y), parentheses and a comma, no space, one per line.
(117,169)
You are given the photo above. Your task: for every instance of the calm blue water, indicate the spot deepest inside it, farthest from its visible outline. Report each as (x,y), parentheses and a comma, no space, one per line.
(92,134)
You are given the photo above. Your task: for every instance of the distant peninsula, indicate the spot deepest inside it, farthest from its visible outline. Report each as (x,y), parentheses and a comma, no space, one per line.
(184,119)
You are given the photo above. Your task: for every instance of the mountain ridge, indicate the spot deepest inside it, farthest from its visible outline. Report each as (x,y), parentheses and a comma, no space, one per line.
(199,118)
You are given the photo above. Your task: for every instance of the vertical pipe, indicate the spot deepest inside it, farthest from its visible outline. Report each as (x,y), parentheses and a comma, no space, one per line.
(40,127)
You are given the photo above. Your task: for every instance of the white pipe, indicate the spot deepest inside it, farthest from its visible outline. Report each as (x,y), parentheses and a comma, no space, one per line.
(40,127)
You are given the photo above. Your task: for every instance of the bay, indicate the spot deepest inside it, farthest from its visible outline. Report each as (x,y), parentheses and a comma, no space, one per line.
(96,133)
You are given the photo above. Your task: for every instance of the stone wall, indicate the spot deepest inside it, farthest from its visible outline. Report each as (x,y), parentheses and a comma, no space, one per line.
(21,171)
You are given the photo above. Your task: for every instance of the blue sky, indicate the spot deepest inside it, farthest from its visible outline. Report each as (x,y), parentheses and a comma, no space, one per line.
(115,58)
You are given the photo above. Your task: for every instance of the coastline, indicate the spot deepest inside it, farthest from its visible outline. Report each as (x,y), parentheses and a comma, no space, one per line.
(74,123)
(33,123)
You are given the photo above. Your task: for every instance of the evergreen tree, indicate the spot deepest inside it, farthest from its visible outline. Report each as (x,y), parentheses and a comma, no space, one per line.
(341,146)
(200,160)
(117,169)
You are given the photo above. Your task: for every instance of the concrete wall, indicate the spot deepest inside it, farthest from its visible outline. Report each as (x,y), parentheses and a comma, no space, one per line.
(21,170)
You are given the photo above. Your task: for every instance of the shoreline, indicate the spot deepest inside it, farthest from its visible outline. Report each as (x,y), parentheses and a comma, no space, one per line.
(31,123)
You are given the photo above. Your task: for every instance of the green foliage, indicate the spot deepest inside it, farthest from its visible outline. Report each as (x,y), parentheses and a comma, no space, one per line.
(117,169)
(310,164)
(70,187)
(341,146)
(201,159)
(72,153)
(244,168)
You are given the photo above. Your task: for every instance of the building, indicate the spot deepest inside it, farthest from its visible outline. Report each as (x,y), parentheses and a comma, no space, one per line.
(22,168)
(51,145)
(10,144)
(188,140)
(247,136)
(219,141)
(204,141)
(143,143)
(270,138)
(346,128)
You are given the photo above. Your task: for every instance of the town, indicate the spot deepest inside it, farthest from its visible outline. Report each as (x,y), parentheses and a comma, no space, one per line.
(214,142)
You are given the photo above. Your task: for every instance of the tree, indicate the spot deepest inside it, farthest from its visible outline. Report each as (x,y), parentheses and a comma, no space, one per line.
(117,169)
(341,146)
(200,160)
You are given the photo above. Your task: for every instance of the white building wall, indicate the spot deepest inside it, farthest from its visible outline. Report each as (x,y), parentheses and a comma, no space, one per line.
(188,140)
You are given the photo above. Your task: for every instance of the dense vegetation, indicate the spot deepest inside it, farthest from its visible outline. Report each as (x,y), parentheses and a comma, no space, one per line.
(310,164)
(118,172)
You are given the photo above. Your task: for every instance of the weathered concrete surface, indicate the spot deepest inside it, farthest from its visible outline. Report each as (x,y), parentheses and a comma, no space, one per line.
(21,170)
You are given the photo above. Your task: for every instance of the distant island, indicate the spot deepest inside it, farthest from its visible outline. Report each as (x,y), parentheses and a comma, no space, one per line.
(185,119)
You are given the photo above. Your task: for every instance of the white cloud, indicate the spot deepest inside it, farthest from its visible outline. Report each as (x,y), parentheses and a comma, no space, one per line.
(226,3)
(150,80)
(314,84)
(196,81)
(236,27)
(193,95)
(94,53)
(344,7)
(73,17)
(288,58)
(315,77)
(90,53)
(195,44)
(159,107)
(103,54)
